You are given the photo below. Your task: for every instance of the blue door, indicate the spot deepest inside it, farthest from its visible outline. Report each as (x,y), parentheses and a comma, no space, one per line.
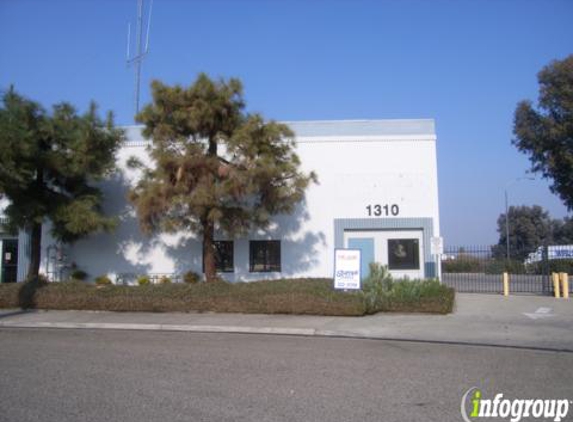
(366,246)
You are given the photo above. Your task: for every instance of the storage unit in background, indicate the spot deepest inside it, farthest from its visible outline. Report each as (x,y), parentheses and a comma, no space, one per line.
(377,191)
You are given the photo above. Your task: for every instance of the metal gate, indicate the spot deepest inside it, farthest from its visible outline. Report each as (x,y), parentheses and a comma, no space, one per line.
(480,270)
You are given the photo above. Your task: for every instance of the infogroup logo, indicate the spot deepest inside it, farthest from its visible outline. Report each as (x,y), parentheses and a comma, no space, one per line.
(474,407)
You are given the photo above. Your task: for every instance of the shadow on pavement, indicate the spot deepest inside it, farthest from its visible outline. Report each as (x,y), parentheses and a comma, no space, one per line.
(18,312)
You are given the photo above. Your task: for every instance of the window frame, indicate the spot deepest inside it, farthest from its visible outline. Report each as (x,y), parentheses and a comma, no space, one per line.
(412,264)
(218,261)
(272,256)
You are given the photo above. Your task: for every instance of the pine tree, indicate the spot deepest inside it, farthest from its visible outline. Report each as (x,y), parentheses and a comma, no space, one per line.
(47,164)
(216,167)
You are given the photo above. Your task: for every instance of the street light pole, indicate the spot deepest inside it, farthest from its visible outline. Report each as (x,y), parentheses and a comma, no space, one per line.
(507,185)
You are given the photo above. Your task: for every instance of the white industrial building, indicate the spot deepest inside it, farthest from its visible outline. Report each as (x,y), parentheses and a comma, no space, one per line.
(377,191)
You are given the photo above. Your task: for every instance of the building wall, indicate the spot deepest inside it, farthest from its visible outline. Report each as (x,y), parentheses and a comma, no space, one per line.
(355,173)
(359,165)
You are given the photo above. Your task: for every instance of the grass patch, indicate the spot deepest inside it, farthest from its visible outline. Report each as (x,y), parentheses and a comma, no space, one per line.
(284,296)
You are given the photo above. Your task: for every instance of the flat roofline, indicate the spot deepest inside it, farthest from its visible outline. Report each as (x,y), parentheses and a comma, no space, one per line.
(358,128)
(356,120)
(332,121)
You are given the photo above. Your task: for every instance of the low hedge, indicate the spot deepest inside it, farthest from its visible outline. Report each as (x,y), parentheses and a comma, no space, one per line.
(284,296)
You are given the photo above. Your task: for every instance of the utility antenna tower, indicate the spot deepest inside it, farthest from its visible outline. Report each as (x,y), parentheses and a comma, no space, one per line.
(140,52)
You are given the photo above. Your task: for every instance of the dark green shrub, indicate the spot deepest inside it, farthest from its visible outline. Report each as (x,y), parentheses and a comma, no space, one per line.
(78,274)
(561,266)
(463,263)
(552,266)
(103,280)
(191,277)
(499,266)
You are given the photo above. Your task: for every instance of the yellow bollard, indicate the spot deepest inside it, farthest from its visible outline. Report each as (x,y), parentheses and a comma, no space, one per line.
(565,285)
(556,278)
(505,284)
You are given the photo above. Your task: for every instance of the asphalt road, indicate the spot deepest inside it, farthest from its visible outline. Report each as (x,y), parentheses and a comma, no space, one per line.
(106,375)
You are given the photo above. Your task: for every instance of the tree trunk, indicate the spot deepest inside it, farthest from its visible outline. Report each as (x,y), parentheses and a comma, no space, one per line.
(36,251)
(209,251)
(36,235)
(209,228)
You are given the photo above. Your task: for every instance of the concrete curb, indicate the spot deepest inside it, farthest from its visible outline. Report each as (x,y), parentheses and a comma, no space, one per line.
(303,332)
(163,327)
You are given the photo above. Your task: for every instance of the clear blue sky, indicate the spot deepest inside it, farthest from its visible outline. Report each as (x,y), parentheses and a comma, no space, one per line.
(463,63)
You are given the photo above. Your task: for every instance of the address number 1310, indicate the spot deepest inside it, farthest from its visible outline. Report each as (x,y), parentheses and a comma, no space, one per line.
(378,210)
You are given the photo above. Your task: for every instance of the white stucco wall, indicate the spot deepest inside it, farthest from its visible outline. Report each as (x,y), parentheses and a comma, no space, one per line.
(359,164)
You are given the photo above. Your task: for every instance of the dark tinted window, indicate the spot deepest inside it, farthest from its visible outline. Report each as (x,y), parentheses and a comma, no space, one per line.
(224,256)
(264,256)
(403,254)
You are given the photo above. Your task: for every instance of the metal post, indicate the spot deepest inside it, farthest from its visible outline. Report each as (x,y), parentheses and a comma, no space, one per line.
(507,185)
(140,53)
(564,278)
(556,279)
(506,226)
(546,270)
(505,279)
(138,40)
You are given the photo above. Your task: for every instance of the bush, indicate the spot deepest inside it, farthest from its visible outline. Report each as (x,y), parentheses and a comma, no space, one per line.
(463,263)
(78,275)
(191,277)
(305,296)
(41,280)
(299,296)
(143,280)
(103,280)
(561,266)
(540,267)
(165,280)
(24,294)
(552,266)
(376,286)
(382,293)
(499,266)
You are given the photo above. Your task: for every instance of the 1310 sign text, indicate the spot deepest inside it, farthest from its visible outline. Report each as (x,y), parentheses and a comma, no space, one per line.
(377,210)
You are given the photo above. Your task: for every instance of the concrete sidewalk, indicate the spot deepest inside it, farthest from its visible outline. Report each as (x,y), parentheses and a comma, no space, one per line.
(516,321)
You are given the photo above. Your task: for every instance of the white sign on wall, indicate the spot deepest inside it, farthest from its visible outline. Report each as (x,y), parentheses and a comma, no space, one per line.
(437,246)
(347,269)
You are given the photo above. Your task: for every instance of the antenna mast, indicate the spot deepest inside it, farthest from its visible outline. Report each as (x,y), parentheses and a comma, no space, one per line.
(140,52)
